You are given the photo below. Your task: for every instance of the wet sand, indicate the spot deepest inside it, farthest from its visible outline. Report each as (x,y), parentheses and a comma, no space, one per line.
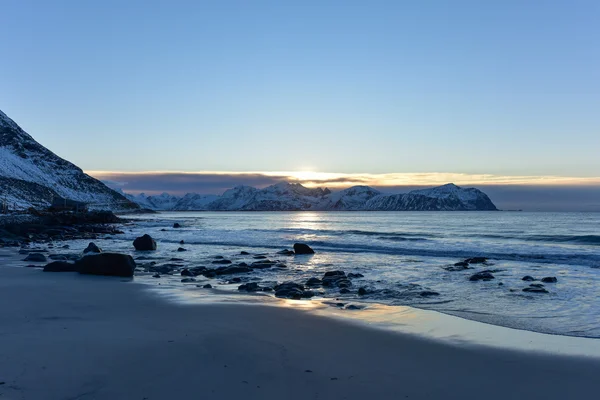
(66,336)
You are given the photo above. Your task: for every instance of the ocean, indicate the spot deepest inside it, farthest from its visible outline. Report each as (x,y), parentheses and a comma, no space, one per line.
(402,255)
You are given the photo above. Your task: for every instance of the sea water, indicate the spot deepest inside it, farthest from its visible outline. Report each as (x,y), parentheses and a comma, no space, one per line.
(403,254)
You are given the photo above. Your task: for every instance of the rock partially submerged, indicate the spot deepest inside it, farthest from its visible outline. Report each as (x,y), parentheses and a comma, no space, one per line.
(112,264)
(482,276)
(549,279)
(301,248)
(36,257)
(144,243)
(291,290)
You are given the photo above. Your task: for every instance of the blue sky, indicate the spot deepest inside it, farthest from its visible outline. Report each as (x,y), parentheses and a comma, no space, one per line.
(473,87)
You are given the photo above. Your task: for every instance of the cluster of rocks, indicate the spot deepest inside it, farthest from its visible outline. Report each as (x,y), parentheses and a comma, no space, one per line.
(46,228)
(488,275)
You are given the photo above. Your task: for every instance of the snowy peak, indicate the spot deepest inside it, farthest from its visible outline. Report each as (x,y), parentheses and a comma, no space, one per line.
(295,197)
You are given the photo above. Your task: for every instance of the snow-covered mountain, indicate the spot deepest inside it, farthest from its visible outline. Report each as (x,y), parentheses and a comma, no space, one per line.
(448,197)
(31,175)
(295,197)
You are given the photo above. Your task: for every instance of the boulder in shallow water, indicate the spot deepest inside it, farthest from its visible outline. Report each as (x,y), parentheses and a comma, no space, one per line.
(112,264)
(362,291)
(291,290)
(92,248)
(482,276)
(207,286)
(286,252)
(250,287)
(144,243)
(313,282)
(549,279)
(528,278)
(180,249)
(476,260)
(59,266)
(36,257)
(222,261)
(428,293)
(535,290)
(352,275)
(186,272)
(176,225)
(188,280)
(301,248)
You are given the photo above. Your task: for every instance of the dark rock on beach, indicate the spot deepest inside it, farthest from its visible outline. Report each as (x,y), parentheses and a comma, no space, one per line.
(113,264)
(291,290)
(482,276)
(35,257)
(301,248)
(59,266)
(92,248)
(144,243)
(362,291)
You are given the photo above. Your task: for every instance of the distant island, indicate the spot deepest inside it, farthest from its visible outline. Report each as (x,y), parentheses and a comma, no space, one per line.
(33,176)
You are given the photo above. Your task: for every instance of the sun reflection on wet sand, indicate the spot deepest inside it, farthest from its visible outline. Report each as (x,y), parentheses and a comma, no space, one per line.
(404,320)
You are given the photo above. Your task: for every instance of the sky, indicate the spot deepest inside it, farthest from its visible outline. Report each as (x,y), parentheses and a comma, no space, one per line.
(507,90)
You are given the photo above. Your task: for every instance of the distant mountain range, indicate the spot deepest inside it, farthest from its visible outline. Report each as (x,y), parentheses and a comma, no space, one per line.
(31,175)
(295,197)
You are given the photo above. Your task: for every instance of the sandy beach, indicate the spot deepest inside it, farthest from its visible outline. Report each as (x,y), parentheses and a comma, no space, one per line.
(66,336)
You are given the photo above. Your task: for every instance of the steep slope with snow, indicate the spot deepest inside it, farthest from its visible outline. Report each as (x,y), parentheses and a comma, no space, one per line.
(31,175)
(295,197)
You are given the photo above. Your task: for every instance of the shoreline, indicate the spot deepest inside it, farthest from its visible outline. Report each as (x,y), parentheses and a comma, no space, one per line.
(71,336)
(426,323)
